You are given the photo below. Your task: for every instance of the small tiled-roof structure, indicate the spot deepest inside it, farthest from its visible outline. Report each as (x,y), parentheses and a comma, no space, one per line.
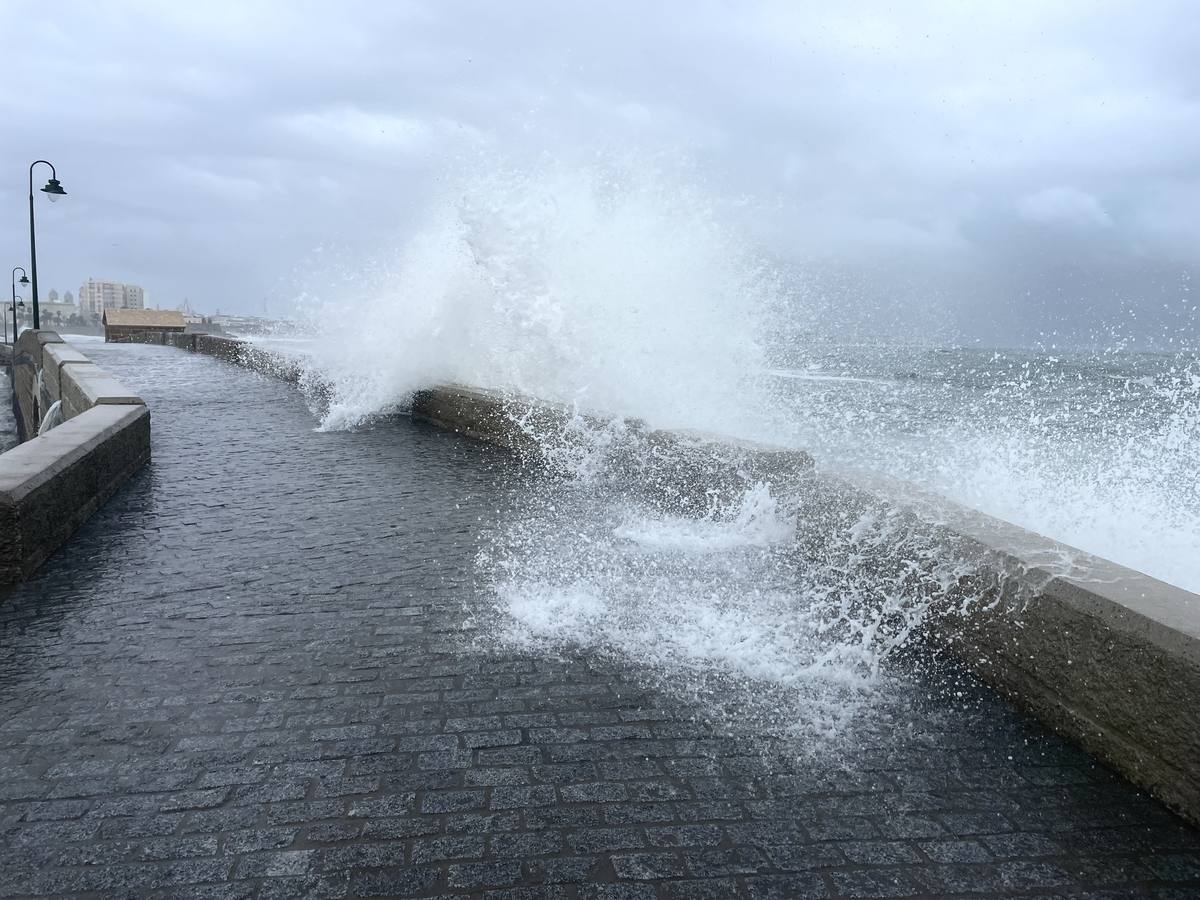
(142,326)
(144,318)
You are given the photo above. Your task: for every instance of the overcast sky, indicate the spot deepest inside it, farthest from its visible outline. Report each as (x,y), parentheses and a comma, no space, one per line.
(1019,164)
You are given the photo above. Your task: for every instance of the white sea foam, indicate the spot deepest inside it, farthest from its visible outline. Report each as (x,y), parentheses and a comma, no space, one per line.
(756,520)
(614,286)
(720,599)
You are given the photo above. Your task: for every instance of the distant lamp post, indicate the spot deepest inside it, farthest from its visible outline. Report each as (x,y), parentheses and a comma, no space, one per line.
(53,190)
(17,302)
(15,282)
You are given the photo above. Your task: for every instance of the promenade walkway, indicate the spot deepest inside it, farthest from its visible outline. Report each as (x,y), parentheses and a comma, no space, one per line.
(249,676)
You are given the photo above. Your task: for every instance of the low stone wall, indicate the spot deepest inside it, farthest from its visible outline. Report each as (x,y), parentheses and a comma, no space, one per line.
(239,353)
(678,469)
(138,334)
(1106,656)
(50,484)
(226,348)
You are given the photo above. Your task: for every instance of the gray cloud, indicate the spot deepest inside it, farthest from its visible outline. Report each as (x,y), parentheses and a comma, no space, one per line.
(1011,169)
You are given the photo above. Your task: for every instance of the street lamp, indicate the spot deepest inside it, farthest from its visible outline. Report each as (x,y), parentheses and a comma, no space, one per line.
(53,190)
(16,302)
(15,282)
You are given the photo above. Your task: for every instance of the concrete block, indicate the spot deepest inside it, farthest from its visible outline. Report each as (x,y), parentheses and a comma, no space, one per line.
(86,386)
(506,420)
(51,484)
(54,357)
(44,336)
(1091,660)
(27,362)
(1106,656)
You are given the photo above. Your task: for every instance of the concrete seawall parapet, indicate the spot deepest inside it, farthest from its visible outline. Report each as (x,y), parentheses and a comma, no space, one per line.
(51,483)
(1106,656)
(241,353)
(683,470)
(26,369)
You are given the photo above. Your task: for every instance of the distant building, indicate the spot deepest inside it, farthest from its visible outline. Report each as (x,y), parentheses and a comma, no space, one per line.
(68,297)
(142,326)
(97,296)
(52,296)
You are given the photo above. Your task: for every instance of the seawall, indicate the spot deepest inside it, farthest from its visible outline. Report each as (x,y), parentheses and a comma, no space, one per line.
(50,484)
(1107,656)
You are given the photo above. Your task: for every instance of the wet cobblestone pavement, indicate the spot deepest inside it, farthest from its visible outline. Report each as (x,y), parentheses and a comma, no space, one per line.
(246,677)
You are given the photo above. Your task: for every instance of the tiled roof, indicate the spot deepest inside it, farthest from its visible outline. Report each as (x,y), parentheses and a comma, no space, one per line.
(147,318)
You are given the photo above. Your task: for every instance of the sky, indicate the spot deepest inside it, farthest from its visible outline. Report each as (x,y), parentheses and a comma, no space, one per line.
(1007,172)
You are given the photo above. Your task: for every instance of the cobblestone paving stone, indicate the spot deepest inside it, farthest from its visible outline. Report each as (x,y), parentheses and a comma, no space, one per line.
(245,677)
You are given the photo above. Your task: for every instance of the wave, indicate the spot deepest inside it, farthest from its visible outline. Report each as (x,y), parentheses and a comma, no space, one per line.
(616,288)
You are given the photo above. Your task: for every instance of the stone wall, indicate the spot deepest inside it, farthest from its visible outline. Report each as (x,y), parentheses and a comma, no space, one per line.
(678,469)
(1106,656)
(50,484)
(239,353)
(134,334)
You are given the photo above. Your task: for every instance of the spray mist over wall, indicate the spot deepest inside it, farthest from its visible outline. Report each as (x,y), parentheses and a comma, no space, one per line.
(614,286)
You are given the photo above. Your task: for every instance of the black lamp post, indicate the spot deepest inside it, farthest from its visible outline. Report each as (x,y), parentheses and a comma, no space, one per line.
(15,282)
(53,190)
(16,303)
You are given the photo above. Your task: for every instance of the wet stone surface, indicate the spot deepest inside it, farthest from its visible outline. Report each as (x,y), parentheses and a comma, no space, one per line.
(248,676)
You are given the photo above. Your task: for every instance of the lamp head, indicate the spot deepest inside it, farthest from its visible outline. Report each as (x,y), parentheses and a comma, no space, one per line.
(23,279)
(54,190)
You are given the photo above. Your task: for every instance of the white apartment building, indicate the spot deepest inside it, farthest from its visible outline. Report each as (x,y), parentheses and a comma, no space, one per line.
(97,296)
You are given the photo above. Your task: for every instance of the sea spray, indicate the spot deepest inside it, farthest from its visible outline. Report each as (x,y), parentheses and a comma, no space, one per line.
(769,616)
(776,602)
(1097,449)
(613,285)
